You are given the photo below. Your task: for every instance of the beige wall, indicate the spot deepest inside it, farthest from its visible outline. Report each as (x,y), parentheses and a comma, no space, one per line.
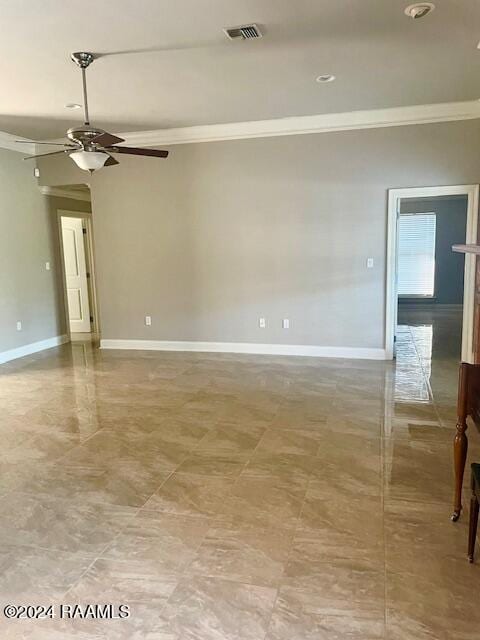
(28,293)
(222,233)
(28,239)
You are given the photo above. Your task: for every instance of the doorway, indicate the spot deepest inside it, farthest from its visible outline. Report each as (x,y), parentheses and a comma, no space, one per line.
(76,274)
(426,282)
(78,269)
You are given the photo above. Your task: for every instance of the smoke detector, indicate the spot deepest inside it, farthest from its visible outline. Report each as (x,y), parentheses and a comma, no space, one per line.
(245,32)
(419,10)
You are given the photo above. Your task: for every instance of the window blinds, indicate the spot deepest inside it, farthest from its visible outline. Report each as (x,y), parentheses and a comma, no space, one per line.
(416,254)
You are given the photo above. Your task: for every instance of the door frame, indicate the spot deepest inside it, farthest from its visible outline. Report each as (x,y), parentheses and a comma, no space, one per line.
(83,215)
(391,297)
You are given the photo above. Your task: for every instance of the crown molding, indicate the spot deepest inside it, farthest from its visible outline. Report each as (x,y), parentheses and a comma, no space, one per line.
(296,125)
(63,193)
(9,141)
(323,123)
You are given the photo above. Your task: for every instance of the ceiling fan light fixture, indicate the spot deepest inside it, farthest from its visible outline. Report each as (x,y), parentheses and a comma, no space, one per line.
(89,160)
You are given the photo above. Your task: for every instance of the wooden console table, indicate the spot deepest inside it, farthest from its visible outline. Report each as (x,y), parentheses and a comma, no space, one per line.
(468,404)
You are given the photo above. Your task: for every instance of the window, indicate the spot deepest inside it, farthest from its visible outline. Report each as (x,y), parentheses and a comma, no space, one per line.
(416,254)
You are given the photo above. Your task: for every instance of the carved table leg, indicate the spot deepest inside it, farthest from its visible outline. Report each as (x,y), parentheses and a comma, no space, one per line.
(460,443)
(472,527)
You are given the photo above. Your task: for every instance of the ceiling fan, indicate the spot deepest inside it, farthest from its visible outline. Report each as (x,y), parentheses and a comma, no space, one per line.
(90,147)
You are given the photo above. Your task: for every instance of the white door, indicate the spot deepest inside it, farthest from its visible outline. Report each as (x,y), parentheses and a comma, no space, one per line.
(76,275)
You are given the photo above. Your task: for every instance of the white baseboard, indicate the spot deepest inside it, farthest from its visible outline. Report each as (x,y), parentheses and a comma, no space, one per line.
(247,347)
(33,347)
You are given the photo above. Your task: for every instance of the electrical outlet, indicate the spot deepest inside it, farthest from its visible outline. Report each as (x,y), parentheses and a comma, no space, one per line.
(369,263)
(286,323)
(19,326)
(36,172)
(262,323)
(148,320)
(47,266)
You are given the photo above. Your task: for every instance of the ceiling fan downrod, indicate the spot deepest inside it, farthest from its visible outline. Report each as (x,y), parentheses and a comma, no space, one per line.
(83,59)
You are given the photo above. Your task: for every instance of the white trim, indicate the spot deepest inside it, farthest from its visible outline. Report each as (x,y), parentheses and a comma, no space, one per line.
(294,125)
(33,347)
(247,347)
(9,141)
(322,123)
(64,193)
(394,197)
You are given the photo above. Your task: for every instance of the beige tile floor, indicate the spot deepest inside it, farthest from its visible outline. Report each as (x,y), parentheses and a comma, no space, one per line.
(237,497)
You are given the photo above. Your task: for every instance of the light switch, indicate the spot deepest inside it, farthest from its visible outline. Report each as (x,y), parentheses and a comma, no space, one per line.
(36,172)
(262,323)
(19,326)
(286,323)
(47,266)
(369,263)
(148,320)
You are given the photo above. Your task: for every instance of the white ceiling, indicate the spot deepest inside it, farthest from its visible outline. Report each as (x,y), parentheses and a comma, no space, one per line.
(381,59)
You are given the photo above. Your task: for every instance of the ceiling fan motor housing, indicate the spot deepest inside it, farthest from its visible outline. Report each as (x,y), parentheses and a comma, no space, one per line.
(83,135)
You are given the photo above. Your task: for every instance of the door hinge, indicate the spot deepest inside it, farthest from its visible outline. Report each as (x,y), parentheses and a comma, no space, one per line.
(88,275)
(84,231)
(91,318)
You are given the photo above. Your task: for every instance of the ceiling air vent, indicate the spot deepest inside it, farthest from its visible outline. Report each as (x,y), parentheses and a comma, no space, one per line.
(246,32)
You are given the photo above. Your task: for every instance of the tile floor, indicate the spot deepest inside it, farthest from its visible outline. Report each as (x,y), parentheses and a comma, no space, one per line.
(236,497)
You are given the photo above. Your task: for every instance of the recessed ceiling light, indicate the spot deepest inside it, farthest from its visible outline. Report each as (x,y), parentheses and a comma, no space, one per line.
(328,77)
(419,10)
(73,105)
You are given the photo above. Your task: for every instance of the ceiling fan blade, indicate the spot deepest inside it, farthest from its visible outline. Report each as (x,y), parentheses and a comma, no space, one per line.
(110,162)
(107,139)
(135,151)
(50,144)
(53,153)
